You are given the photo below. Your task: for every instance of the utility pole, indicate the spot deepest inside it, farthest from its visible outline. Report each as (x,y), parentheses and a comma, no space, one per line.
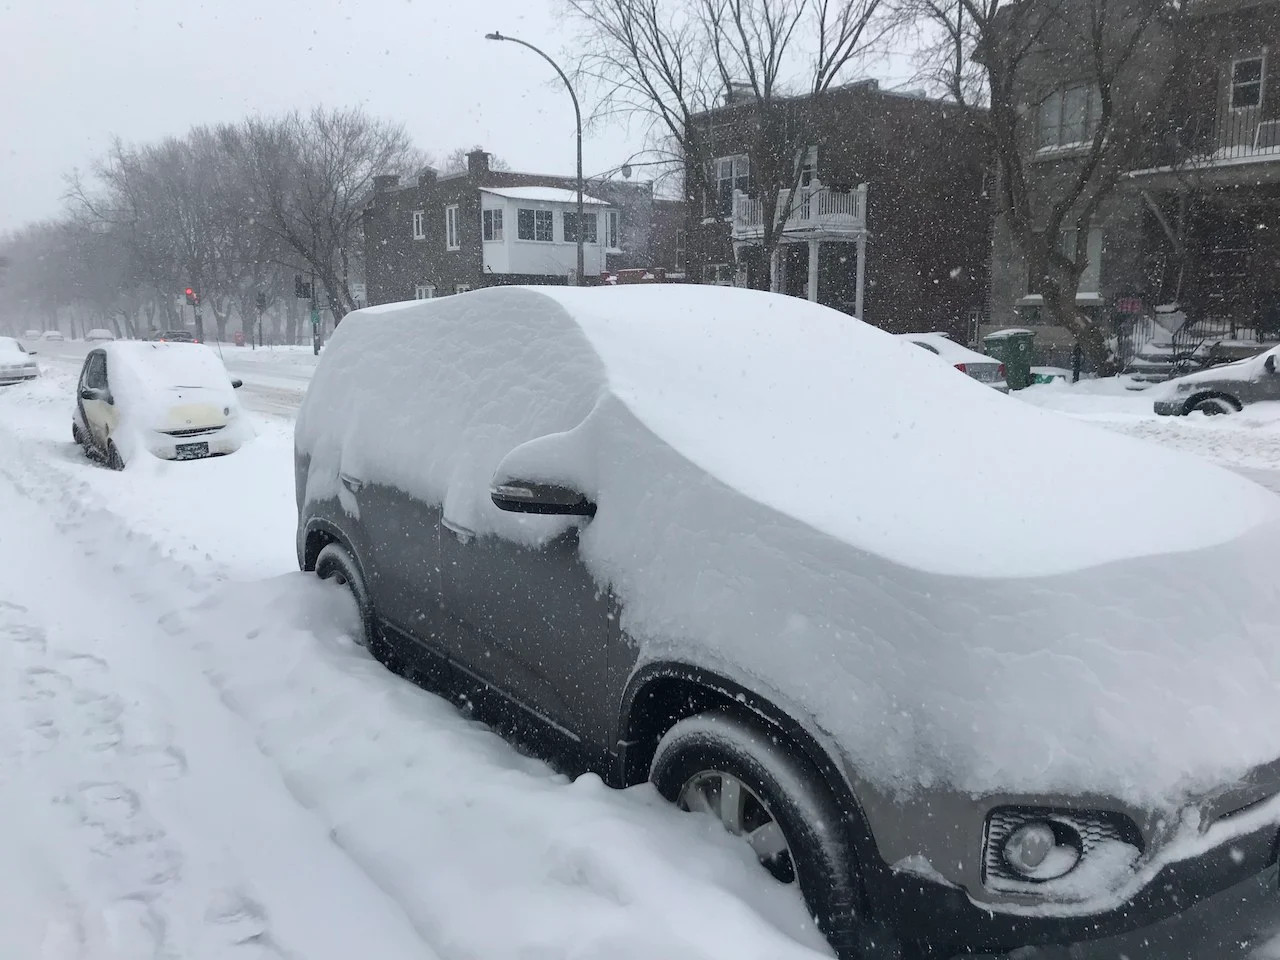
(262,306)
(315,316)
(577,115)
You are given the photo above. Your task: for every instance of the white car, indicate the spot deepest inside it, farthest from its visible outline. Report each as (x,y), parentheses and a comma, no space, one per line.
(32,334)
(982,368)
(16,364)
(173,400)
(99,335)
(53,335)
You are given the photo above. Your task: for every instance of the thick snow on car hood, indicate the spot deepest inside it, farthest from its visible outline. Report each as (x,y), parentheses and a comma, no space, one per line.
(809,504)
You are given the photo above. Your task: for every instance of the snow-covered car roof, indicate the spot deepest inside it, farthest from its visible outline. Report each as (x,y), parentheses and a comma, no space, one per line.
(10,345)
(153,368)
(544,195)
(946,348)
(961,584)
(99,333)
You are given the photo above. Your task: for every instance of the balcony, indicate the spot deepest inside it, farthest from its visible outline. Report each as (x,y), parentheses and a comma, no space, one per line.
(817,213)
(1234,145)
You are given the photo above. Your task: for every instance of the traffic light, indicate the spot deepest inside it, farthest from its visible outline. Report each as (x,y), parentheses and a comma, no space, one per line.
(301,288)
(191,296)
(262,301)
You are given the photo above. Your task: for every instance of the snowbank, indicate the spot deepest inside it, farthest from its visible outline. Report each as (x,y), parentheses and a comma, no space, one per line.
(901,563)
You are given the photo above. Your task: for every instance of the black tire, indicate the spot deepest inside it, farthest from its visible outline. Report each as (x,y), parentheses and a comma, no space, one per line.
(334,562)
(796,797)
(113,459)
(76,435)
(1212,406)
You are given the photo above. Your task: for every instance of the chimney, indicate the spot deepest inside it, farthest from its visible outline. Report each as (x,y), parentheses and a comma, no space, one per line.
(477,163)
(384,182)
(427,176)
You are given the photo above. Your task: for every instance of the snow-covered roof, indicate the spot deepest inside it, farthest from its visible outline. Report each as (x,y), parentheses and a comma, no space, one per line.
(543,195)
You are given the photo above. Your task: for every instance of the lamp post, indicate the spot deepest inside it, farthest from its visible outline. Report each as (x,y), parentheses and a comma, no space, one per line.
(577,116)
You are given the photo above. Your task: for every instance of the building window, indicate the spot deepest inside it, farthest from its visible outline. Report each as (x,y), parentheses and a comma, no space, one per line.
(462,288)
(1068,118)
(679,248)
(1246,83)
(611,229)
(590,227)
(729,174)
(419,225)
(451,227)
(492,224)
(809,167)
(535,225)
(424,291)
(720,274)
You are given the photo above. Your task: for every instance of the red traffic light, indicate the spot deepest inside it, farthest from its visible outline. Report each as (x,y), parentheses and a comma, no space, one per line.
(189,291)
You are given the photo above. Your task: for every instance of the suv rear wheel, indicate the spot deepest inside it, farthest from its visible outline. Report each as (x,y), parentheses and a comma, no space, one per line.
(757,786)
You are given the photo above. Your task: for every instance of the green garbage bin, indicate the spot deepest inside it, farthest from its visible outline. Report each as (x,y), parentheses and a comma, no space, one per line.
(1013,349)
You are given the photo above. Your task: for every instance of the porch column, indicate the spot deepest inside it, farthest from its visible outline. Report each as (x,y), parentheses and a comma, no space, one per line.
(860,286)
(813,270)
(777,270)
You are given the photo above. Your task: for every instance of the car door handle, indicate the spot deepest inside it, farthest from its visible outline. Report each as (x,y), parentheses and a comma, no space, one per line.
(460,533)
(354,484)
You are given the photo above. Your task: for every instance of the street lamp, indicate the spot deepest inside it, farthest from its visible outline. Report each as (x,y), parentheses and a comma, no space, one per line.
(577,115)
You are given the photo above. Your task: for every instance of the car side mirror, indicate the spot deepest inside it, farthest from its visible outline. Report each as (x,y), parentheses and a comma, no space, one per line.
(549,499)
(94,393)
(1270,364)
(32,353)
(237,384)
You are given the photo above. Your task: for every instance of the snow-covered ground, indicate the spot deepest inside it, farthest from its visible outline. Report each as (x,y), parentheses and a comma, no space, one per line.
(196,762)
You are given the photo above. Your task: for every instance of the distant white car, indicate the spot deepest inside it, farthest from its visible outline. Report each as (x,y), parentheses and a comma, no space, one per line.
(980,367)
(53,335)
(32,334)
(16,364)
(173,400)
(99,335)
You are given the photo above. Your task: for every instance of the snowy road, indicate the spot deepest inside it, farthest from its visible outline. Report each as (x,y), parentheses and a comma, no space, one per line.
(195,762)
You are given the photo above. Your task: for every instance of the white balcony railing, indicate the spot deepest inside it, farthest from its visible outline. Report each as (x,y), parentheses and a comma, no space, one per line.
(817,212)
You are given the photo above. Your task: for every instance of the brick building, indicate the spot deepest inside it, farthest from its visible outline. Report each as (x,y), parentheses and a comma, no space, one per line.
(450,233)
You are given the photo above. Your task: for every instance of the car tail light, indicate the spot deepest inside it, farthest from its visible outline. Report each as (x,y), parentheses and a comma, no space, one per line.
(962,368)
(1000,372)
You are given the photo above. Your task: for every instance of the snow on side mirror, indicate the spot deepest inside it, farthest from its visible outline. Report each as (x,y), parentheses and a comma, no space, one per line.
(549,499)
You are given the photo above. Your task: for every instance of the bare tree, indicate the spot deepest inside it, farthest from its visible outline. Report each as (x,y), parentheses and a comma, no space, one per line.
(1012,56)
(309,177)
(670,63)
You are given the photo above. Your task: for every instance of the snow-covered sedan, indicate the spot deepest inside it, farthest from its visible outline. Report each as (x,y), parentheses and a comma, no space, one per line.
(99,335)
(980,367)
(16,363)
(1224,389)
(172,400)
(52,336)
(677,533)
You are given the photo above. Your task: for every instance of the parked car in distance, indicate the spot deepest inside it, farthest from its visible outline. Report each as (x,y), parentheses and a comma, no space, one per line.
(99,335)
(32,335)
(16,364)
(1228,388)
(175,336)
(53,335)
(705,536)
(172,400)
(980,367)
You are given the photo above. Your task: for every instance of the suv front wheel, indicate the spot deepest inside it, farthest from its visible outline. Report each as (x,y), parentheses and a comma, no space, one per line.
(758,788)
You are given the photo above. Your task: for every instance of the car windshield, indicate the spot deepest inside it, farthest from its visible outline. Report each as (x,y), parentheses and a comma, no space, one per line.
(853,423)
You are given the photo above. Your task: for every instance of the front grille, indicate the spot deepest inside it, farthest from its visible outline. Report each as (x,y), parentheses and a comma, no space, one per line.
(191,431)
(1094,827)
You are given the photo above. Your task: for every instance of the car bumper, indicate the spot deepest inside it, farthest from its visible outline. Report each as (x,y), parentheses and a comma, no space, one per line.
(1216,879)
(166,448)
(8,379)
(1169,408)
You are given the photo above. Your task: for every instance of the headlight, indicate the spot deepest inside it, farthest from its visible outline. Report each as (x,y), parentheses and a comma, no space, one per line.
(1042,850)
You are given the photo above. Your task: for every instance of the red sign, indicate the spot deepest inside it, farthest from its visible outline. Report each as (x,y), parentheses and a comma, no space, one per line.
(1129,305)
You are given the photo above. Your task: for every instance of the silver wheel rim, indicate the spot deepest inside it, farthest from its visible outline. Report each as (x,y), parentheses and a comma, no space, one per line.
(742,813)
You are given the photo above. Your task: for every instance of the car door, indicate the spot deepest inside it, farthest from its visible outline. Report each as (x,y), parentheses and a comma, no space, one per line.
(400,552)
(93,396)
(533,623)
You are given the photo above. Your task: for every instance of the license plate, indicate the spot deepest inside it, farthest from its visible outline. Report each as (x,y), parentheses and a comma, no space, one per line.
(191,451)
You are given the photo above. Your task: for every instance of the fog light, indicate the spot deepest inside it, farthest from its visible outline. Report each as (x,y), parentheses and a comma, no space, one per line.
(1042,850)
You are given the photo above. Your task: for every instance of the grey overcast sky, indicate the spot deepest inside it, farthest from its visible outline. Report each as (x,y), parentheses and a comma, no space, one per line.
(76,72)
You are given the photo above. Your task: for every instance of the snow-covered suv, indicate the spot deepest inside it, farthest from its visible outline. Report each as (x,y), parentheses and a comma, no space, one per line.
(703,536)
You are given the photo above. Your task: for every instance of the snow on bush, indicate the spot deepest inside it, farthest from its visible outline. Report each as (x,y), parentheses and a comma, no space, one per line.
(813,507)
